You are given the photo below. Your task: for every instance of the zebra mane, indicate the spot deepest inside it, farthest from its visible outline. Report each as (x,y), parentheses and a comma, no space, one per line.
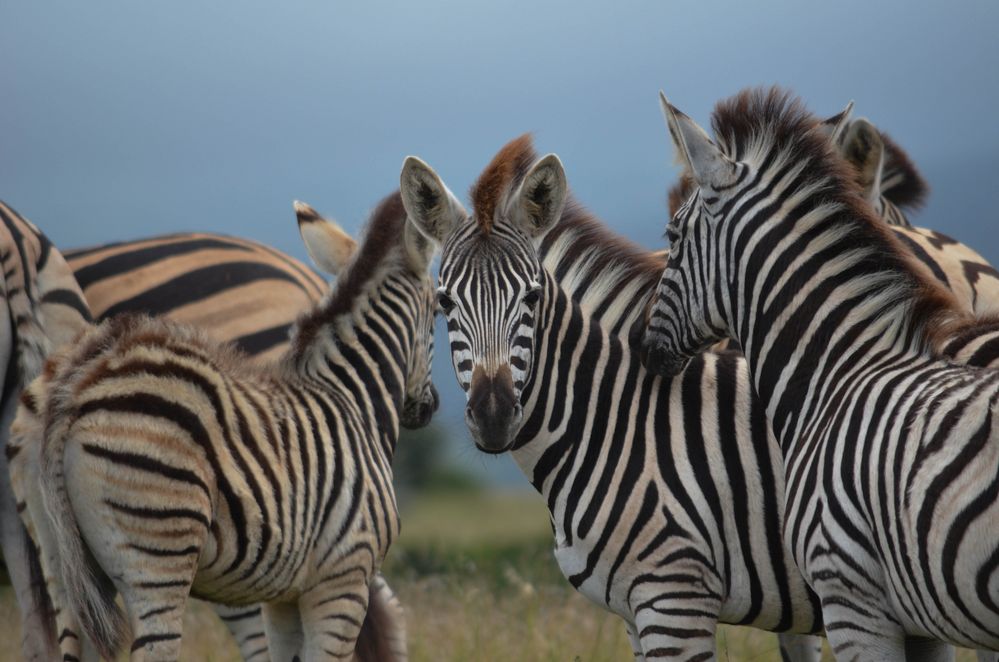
(500,178)
(608,275)
(383,234)
(769,124)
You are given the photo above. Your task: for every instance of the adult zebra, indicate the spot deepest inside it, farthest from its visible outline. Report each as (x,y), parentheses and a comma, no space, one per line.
(644,524)
(890,452)
(287,467)
(217,283)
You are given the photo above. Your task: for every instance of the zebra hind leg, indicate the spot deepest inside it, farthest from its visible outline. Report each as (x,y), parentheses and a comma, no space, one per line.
(677,631)
(928,650)
(283,624)
(800,647)
(332,614)
(246,624)
(636,643)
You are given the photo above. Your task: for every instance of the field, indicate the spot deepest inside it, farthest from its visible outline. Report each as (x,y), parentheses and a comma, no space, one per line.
(476,574)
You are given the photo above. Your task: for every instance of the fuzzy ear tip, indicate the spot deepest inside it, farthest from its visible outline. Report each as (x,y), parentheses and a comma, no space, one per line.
(304,212)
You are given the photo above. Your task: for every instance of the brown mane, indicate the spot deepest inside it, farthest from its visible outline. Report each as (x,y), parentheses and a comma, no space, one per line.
(502,175)
(777,121)
(384,233)
(902,183)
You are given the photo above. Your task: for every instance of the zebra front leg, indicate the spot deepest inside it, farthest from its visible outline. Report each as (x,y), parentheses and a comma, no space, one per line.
(683,629)
(332,614)
(246,625)
(800,647)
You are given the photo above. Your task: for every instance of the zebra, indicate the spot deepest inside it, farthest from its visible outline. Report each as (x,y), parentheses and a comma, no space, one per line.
(643,525)
(216,282)
(44,308)
(132,402)
(889,450)
(207,280)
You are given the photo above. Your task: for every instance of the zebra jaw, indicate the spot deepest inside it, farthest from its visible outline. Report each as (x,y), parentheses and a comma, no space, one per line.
(493,414)
(657,357)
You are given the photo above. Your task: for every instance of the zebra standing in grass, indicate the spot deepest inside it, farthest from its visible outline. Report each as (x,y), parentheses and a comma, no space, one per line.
(217,283)
(664,496)
(890,452)
(43,309)
(146,403)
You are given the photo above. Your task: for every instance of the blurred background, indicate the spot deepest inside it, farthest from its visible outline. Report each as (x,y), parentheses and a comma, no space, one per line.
(126,120)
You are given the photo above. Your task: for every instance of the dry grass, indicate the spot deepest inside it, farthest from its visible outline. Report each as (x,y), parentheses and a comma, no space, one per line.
(477,576)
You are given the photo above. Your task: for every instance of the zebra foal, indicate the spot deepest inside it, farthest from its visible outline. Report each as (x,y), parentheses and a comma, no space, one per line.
(171,465)
(890,451)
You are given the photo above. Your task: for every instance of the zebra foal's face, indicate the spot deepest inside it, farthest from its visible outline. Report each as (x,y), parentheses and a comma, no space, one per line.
(687,314)
(490,289)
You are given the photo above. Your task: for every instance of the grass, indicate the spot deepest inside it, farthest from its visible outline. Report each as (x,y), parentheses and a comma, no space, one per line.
(476,574)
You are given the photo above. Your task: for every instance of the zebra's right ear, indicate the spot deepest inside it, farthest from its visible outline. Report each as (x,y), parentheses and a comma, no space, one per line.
(326,242)
(431,207)
(865,151)
(706,162)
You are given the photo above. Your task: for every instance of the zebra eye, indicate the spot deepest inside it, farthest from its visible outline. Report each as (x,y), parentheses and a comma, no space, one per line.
(445,302)
(672,236)
(532,297)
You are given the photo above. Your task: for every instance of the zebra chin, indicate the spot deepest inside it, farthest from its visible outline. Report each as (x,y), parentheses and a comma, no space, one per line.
(660,359)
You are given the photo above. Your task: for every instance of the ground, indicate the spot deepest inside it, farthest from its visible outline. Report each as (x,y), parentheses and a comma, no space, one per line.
(476,574)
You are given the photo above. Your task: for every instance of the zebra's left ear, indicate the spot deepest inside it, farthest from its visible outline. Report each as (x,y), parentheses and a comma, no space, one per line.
(326,242)
(707,163)
(419,249)
(540,199)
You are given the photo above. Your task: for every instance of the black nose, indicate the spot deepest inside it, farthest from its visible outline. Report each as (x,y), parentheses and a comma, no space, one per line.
(492,409)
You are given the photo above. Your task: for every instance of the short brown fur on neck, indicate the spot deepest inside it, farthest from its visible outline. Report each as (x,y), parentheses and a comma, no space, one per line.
(501,176)
(385,231)
(740,121)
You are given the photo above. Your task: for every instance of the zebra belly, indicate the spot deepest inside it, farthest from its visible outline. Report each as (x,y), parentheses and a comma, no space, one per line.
(572,560)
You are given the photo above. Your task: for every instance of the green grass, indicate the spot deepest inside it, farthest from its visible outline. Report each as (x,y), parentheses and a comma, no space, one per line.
(476,574)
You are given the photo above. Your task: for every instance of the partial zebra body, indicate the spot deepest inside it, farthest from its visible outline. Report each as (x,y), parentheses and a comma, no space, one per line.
(181,467)
(43,309)
(890,451)
(217,282)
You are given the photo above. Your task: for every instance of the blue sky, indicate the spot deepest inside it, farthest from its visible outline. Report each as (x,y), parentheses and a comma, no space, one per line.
(123,120)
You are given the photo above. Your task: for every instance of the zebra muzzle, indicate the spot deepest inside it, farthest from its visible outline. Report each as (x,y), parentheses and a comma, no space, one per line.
(493,413)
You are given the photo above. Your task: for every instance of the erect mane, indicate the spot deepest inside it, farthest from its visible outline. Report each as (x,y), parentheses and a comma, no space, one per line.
(609,276)
(501,177)
(760,124)
(384,232)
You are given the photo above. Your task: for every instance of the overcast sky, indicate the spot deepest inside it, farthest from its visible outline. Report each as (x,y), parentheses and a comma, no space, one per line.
(123,120)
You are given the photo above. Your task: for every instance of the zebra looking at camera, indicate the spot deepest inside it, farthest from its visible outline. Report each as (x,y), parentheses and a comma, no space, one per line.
(664,496)
(276,480)
(890,452)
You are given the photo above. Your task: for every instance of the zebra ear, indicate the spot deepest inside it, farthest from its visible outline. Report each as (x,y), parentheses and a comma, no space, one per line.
(326,242)
(539,201)
(419,248)
(865,151)
(706,162)
(835,127)
(428,202)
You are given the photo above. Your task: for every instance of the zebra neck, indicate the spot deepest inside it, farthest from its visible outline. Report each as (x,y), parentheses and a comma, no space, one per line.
(573,367)
(367,359)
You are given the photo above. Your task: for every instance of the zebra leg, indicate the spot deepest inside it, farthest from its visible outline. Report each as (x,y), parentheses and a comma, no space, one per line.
(928,650)
(332,614)
(988,656)
(681,630)
(861,636)
(246,625)
(283,623)
(800,647)
(636,643)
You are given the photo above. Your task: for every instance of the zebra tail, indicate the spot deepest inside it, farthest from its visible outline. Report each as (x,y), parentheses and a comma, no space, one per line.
(381,632)
(87,589)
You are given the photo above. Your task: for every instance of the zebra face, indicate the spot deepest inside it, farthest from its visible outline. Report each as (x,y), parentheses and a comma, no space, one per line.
(490,281)
(489,295)
(421,399)
(687,315)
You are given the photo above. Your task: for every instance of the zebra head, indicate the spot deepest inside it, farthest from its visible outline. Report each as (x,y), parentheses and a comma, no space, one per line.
(407,295)
(490,281)
(687,314)
(865,150)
